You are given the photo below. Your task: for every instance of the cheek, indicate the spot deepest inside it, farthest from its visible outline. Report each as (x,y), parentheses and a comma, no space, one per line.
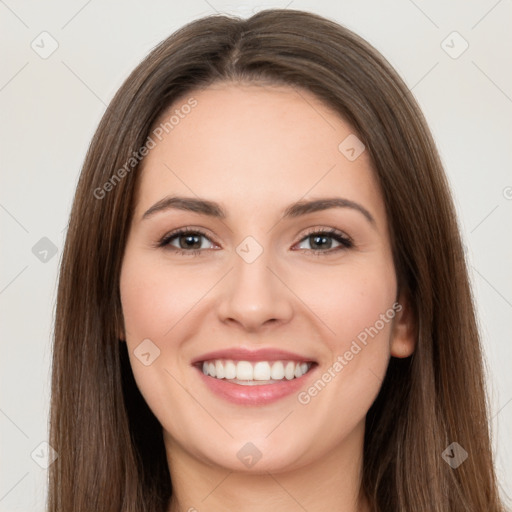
(155,302)
(162,302)
(349,300)
(355,309)
(357,316)
(155,299)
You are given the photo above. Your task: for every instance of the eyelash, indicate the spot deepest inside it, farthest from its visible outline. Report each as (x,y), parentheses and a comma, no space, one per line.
(345,241)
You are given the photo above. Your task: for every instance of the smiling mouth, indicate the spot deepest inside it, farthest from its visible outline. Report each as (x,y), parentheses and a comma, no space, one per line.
(254,373)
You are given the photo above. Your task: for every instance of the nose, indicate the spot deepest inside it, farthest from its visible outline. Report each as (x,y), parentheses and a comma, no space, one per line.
(254,295)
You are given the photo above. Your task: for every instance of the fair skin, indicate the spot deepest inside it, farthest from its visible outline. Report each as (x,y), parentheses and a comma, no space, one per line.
(255,150)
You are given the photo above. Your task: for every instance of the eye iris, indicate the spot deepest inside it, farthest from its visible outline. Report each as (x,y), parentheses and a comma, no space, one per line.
(192,241)
(318,240)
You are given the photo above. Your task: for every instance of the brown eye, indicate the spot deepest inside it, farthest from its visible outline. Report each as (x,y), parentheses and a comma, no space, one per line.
(321,242)
(185,241)
(189,240)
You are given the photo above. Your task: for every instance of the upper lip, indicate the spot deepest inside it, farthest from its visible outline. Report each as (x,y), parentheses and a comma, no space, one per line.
(245,354)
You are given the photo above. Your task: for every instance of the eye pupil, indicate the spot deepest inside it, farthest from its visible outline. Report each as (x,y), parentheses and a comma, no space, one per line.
(319,241)
(192,241)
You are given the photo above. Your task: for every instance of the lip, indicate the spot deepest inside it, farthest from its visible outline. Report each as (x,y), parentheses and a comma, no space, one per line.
(245,354)
(262,394)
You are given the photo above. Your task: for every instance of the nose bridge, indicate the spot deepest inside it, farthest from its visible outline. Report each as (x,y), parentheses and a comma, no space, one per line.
(253,294)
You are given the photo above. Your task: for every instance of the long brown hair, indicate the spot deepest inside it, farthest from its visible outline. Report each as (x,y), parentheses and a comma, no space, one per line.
(110,445)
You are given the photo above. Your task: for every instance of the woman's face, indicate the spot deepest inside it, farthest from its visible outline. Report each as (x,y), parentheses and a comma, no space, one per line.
(257,270)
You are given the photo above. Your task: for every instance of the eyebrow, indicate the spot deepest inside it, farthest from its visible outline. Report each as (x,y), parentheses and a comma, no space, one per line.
(213,209)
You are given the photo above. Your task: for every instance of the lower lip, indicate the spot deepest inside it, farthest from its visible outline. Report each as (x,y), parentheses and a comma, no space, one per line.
(255,395)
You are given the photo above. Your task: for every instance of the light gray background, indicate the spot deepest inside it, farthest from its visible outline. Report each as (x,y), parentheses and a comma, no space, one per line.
(51,106)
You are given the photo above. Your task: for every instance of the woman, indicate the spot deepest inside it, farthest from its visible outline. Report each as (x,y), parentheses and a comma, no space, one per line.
(263,298)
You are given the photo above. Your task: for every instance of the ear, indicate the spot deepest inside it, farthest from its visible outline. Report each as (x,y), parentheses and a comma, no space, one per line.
(403,335)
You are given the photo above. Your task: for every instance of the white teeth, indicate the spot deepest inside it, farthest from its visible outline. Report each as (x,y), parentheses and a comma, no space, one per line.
(243,371)
(277,372)
(289,371)
(261,371)
(219,370)
(257,372)
(229,370)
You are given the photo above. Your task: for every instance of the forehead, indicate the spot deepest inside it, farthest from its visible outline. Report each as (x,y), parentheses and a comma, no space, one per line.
(252,146)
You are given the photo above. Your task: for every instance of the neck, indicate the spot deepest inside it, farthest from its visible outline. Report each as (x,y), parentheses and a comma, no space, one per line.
(331,482)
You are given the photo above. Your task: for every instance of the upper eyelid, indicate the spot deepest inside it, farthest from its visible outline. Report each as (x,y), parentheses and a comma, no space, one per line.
(189,229)
(329,231)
